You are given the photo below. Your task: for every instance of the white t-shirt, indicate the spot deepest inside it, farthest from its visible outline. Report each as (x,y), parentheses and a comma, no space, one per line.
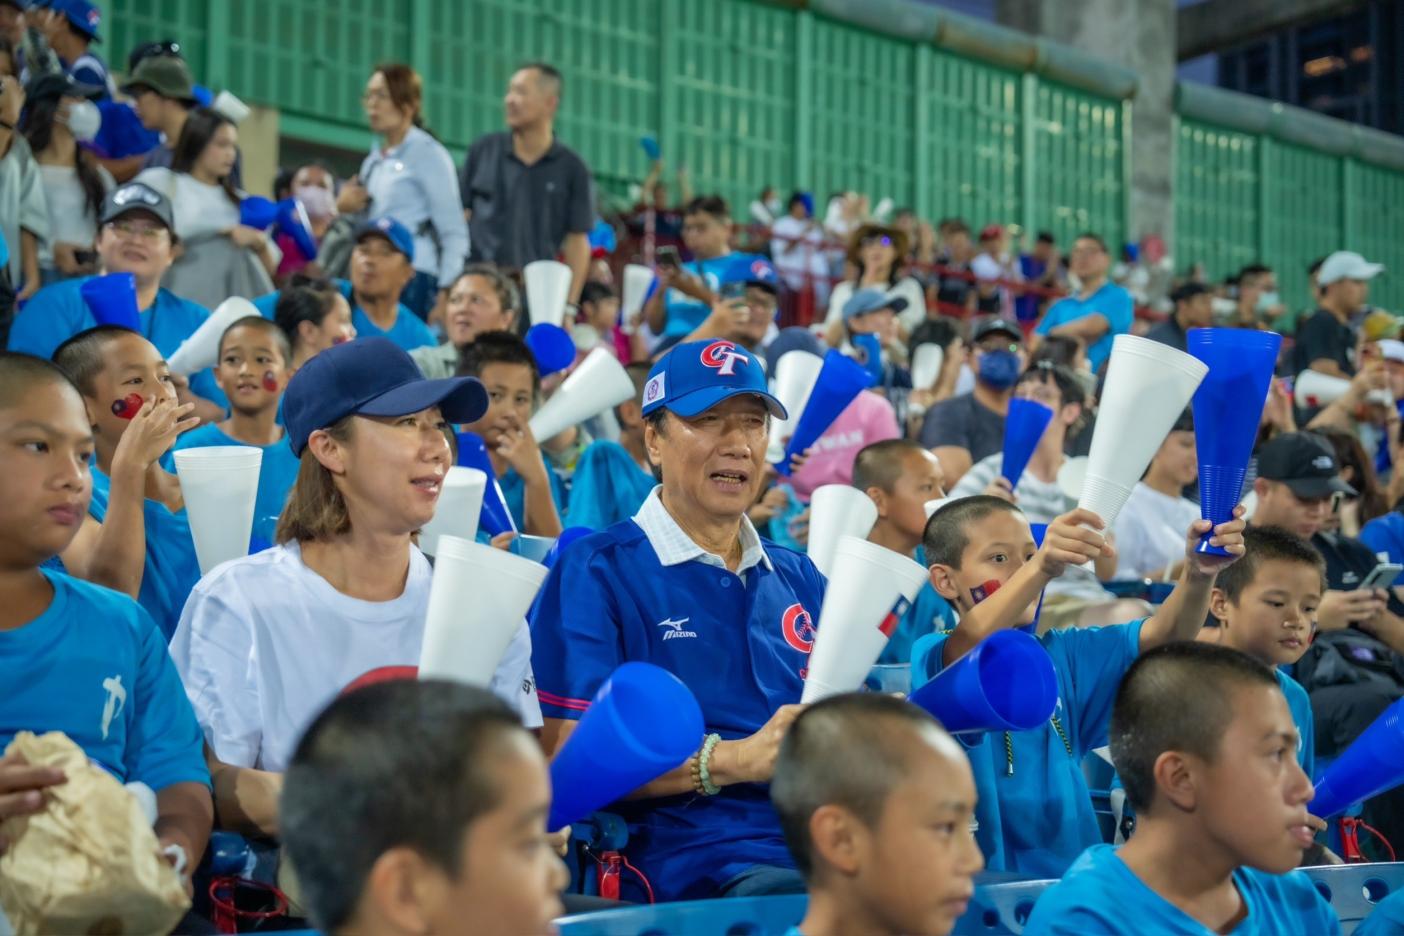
(199,208)
(71,221)
(1151,531)
(794,245)
(265,643)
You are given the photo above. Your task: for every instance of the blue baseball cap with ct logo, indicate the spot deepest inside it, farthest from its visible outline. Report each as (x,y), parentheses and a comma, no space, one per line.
(696,376)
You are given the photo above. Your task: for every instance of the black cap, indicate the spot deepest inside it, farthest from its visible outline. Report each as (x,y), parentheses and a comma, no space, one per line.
(136,196)
(991,325)
(1305,462)
(54,85)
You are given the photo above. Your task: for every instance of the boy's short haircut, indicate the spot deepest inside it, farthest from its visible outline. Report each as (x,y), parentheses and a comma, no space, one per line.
(880,465)
(713,205)
(497,347)
(280,337)
(945,538)
(20,373)
(404,763)
(1095,238)
(1266,544)
(1176,697)
(1184,422)
(81,357)
(594,292)
(873,732)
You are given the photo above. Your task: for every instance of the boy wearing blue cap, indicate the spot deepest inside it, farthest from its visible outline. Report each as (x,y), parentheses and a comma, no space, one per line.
(254,356)
(1204,741)
(382,265)
(689,585)
(746,313)
(137,538)
(79,658)
(870,320)
(135,235)
(1035,810)
(534,492)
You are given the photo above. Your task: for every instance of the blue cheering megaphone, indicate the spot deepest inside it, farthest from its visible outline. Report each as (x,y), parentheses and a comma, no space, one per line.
(255,211)
(1007,683)
(840,381)
(113,299)
(1024,425)
(1228,407)
(1372,765)
(641,724)
(292,220)
(495,518)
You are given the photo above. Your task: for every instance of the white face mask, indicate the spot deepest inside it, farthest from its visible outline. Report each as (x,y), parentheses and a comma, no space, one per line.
(83,120)
(319,202)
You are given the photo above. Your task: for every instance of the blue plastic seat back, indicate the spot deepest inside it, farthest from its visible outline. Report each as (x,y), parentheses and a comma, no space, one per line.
(1000,909)
(742,916)
(1354,889)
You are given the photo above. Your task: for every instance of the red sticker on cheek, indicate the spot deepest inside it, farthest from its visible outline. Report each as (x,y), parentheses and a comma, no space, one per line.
(270,383)
(128,406)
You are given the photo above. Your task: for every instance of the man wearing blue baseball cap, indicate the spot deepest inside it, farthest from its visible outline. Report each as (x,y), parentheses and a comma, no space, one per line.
(689,585)
(71,26)
(382,265)
(745,313)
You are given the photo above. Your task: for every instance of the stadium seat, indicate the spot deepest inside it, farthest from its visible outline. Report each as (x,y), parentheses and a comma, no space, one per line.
(1354,889)
(1000,909)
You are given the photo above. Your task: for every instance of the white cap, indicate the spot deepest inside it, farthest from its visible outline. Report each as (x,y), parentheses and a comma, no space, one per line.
(1392,349)
(1346,264)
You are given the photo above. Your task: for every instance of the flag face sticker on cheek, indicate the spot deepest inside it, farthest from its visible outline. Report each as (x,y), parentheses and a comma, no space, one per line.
(982,591)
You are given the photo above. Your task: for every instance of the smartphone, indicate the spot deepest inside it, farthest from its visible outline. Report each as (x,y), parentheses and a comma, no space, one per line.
(1382,575)
(668,256)
(86,257)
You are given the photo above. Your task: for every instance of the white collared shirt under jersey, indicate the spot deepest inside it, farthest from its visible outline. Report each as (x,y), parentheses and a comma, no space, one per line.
(675,547)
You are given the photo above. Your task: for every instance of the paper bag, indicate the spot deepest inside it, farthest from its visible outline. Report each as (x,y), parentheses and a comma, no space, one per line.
(88,862)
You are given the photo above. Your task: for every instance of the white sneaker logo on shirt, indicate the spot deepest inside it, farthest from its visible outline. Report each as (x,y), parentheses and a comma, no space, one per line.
(116,701)
(677,628)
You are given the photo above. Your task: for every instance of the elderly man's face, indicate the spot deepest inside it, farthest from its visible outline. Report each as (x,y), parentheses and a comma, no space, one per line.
(713,463)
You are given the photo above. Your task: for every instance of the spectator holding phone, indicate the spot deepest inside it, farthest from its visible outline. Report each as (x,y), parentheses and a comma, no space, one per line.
(61,114)
(690,289)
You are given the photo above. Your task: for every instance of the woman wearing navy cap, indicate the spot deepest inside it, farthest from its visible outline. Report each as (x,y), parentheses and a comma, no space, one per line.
(266,641)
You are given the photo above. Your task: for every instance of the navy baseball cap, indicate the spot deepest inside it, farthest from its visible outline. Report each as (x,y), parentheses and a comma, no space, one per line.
(371,377)
(871,300)
(753,270)
(695,376)
(84,17)
(393,231)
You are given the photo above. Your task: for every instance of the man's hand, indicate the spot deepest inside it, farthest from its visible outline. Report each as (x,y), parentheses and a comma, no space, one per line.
(1227,535)
(771,503)
(1069,541)
(22,788)
(1340,609)
(752,760)
(66,259)
(181,863)
(1278,411)
(152,432)
(353,197)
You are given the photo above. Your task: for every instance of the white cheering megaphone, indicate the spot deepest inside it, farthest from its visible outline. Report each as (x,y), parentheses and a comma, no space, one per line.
(836,511)
(547,288)
(637,279)
(456,513)
(201,349)
(795,375)
(597,383)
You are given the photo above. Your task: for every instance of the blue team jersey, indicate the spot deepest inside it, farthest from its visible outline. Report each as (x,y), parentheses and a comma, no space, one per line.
(740,646)
(1112,302)
(58,312)
(171,569)
(276,475)
(1035,810)
(514,494)
(1299,704)
(686,313)
(1101,896)
(95,667)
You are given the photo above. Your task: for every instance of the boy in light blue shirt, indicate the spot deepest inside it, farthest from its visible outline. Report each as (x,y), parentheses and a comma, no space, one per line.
(253,371)
(137,536)
(1035,809)
(79,658)
(1206,747)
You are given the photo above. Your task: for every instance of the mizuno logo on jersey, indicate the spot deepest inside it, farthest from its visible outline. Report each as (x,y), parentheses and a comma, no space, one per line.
(675,628)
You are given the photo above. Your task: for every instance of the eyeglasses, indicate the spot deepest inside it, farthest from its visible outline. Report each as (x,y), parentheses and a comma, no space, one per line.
(371,97)
(129,229)
(991,347)
(882,239)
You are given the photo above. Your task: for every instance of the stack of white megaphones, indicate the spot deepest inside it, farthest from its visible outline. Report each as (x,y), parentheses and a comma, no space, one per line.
(638,279)
(596,384)
(1148,386)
